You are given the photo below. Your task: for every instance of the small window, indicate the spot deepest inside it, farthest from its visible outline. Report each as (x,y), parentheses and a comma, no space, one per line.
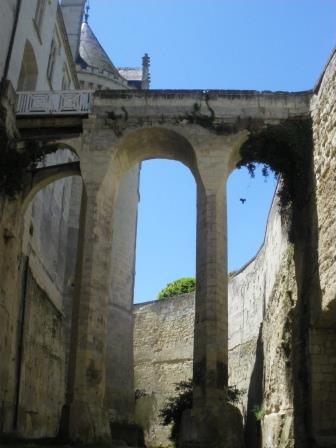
(52,60)
(39,13)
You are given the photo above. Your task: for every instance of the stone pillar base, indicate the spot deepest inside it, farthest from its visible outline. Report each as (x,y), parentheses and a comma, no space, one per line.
(188,437)
(88,423)
(127,433)
(212,430)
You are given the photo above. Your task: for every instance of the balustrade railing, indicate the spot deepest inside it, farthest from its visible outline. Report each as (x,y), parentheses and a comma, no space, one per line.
(76,102)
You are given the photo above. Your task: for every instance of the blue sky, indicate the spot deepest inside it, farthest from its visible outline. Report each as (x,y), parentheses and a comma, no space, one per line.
(210,44)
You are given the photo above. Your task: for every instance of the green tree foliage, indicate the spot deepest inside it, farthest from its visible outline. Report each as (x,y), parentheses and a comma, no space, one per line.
(178,287)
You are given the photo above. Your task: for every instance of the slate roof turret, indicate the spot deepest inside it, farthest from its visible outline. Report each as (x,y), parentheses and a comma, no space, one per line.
(92,54)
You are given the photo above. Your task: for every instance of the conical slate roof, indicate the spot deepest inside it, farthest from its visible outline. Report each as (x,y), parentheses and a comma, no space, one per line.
(92,54)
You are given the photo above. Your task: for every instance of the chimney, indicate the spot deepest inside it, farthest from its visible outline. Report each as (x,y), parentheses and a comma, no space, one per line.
(145,72)
(73,12)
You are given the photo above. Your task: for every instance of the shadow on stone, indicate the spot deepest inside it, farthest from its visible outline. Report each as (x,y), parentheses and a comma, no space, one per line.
(126,434)
(255,398)
(190,438)
(305,238)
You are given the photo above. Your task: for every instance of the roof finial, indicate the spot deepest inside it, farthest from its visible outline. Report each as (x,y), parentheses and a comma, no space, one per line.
(145,72)
(87,9)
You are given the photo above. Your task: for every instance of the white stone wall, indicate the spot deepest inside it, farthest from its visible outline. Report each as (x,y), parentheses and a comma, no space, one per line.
(50,232)
(73,13)
(49,242)
(41,42)
(7,16)
(93,79)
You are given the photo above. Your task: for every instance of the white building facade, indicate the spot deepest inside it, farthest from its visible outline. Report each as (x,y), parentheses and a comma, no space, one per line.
(46,46)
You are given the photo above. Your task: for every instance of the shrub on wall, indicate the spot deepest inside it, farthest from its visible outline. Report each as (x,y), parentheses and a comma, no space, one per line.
(171,413)
(181,286)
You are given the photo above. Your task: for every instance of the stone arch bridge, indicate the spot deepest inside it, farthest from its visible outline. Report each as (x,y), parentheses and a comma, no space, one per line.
(111,131)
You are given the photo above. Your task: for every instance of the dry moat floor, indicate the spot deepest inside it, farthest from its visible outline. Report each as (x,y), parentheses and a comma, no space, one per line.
(51,445)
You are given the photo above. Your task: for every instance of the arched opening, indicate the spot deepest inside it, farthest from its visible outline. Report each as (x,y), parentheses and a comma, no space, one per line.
(267,301)
(165,213)
(166,244)
(155,143)
(29,69)
(49,247)
(254,237)
(248,201)
(166,227)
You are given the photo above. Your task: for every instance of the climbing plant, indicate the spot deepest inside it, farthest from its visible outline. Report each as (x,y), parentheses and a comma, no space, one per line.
(284,149)
(208,120)
(259,413)
(15,160)
(171,413)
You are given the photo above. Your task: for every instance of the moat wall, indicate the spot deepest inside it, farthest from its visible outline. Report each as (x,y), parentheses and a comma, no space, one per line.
(163,354)
(322,341)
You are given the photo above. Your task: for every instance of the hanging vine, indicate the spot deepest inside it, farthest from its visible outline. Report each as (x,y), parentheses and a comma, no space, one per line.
(284,149)
(15,160)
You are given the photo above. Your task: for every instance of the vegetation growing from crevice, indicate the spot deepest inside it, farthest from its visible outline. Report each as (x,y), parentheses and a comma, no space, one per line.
(118,122)
(197,117)
(234,394)
(209,120)
(15,161)
(284,149)
(140,393)
(171,413)
(215,124)
(259,413)
(181,286)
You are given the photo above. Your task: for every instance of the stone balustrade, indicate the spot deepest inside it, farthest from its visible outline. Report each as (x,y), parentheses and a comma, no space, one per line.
(53,103)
